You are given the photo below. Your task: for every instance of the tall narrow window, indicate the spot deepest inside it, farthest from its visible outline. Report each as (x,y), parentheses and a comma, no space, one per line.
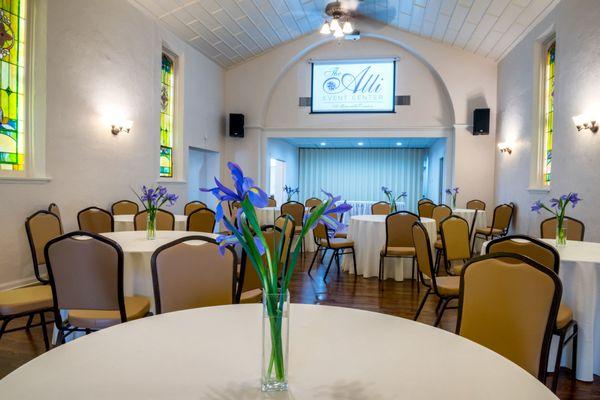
(167,100)
(12,84)
(548,112)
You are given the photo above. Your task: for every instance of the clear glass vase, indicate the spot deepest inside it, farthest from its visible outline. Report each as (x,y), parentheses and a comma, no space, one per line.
(561,235)
(151,225)
(275,346)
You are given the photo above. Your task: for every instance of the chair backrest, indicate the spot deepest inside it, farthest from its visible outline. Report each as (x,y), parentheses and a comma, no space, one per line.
(320,233)
(295,210)
(201,220)
(271,202)
(475,205)
(288,229)
(95,220)
(540,252)
(440,213)
(165,220)
(426,209)
(575,228)
(381,208)
(424,200)
(53,208)
(455,238)
(248,277)
(189,273)
(508,303)
(398,229)
(86,273)
(313,202)
(423,251)
(124,207)
(41,227)
(502,217)
(193,206)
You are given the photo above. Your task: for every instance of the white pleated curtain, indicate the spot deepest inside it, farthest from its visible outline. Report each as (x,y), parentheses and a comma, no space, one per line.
(359,174)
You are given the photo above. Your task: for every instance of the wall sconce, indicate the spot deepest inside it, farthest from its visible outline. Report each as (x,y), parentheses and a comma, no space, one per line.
(585,121)
(122,126)
(505,147)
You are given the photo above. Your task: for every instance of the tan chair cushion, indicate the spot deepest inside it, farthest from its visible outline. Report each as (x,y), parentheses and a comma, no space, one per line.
(341,235)
(488,231)
(399,251)
(448,285)
(337,243)
(135,307)
(251,296)
(565,315)
(26,299)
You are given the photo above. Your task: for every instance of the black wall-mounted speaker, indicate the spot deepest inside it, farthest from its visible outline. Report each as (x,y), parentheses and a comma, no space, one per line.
(236,125)
(481,121)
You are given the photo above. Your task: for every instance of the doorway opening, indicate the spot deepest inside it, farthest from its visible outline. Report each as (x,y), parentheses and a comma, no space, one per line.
(277,180)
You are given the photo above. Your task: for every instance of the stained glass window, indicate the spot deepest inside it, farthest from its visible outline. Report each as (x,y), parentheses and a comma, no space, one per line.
(167,96)
(548,127)
(12,84)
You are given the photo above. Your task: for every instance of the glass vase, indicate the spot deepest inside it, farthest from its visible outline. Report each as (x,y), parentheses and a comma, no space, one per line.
(151,225)
(454,203)
(561,235)
(275,345)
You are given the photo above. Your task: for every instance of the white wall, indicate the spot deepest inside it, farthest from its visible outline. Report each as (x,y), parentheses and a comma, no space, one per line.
(287,152)
(436,151)
(101,55)
(266,90)
(575,155)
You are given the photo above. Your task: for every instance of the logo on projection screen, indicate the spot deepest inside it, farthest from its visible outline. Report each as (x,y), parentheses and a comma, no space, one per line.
(352,87)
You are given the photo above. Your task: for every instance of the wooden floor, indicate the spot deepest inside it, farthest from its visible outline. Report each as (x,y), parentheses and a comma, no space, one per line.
(397,298)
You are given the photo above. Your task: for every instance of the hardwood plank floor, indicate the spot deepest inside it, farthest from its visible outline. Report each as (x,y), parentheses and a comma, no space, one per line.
(397,298)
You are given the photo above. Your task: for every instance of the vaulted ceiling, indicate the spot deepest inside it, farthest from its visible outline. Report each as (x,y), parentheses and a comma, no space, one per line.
(233,31)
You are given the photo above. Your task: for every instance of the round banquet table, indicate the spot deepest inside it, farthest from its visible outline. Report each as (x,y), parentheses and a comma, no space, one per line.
(268,215)
(368,233)
(362,207)
(580,276)
(137,251)
(125,223)
(215,352)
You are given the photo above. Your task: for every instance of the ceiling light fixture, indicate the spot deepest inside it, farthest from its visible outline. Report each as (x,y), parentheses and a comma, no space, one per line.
(323,143)
(398,143)
(340,13)
(360,143)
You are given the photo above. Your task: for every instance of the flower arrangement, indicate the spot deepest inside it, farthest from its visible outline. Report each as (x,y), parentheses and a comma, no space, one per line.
(558,208)
(152,199)
(391,199)
(453,192)
(246,232)
(290,192)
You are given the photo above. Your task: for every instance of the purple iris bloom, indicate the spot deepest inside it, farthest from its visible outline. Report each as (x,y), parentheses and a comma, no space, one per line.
(574,199)
(171,198)
(554,203)
(537,206)
(403,194)
(448,191)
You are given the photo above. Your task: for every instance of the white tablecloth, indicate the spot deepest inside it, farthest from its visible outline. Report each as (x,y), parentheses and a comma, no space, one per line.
(268,215)
(480,222)
(580,276)
(137,251)
(214,353)
(360,207)
(125,222)
(368,233)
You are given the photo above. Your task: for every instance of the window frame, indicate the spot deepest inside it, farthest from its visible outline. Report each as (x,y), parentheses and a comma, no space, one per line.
(174,116)
(547,44)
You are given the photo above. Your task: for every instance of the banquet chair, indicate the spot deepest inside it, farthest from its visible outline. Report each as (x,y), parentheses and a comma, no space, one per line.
(296,211)
(475,205)
(444,287)
(500,224)
(188,274)
(398,239)
(286,225)
(86,276)
(456,243)
(424,200)
(440,213)
(313,202)
(546,255)
(124,207)
(193,206)
(41,227)
(381,208)
(165,220)
(575,228)
(201,220)
(509,303)
(95,220)
(53,208)
(426,209)
(271,202)
(340,246)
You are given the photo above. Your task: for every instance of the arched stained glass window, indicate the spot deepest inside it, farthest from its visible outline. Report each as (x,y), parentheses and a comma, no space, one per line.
(12,84)
(167,100)
(548,113)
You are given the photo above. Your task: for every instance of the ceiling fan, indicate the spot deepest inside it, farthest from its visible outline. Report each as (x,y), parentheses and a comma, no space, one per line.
(340,13)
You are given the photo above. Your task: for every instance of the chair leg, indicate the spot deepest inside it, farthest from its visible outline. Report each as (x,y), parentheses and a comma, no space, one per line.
(328,266)
(354,262)
(444,304)
(314,258)
(337,261)
(412,273)
(380,267)
(29,322)
(559,350)
(60,338)
(3,327)
(574,349)
(44,330)
(422,304)
(436,266)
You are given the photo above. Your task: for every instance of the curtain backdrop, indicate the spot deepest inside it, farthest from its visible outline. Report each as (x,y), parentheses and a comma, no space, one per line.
(358,174)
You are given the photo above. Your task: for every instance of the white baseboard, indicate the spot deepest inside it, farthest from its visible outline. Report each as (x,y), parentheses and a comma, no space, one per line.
(18,283)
